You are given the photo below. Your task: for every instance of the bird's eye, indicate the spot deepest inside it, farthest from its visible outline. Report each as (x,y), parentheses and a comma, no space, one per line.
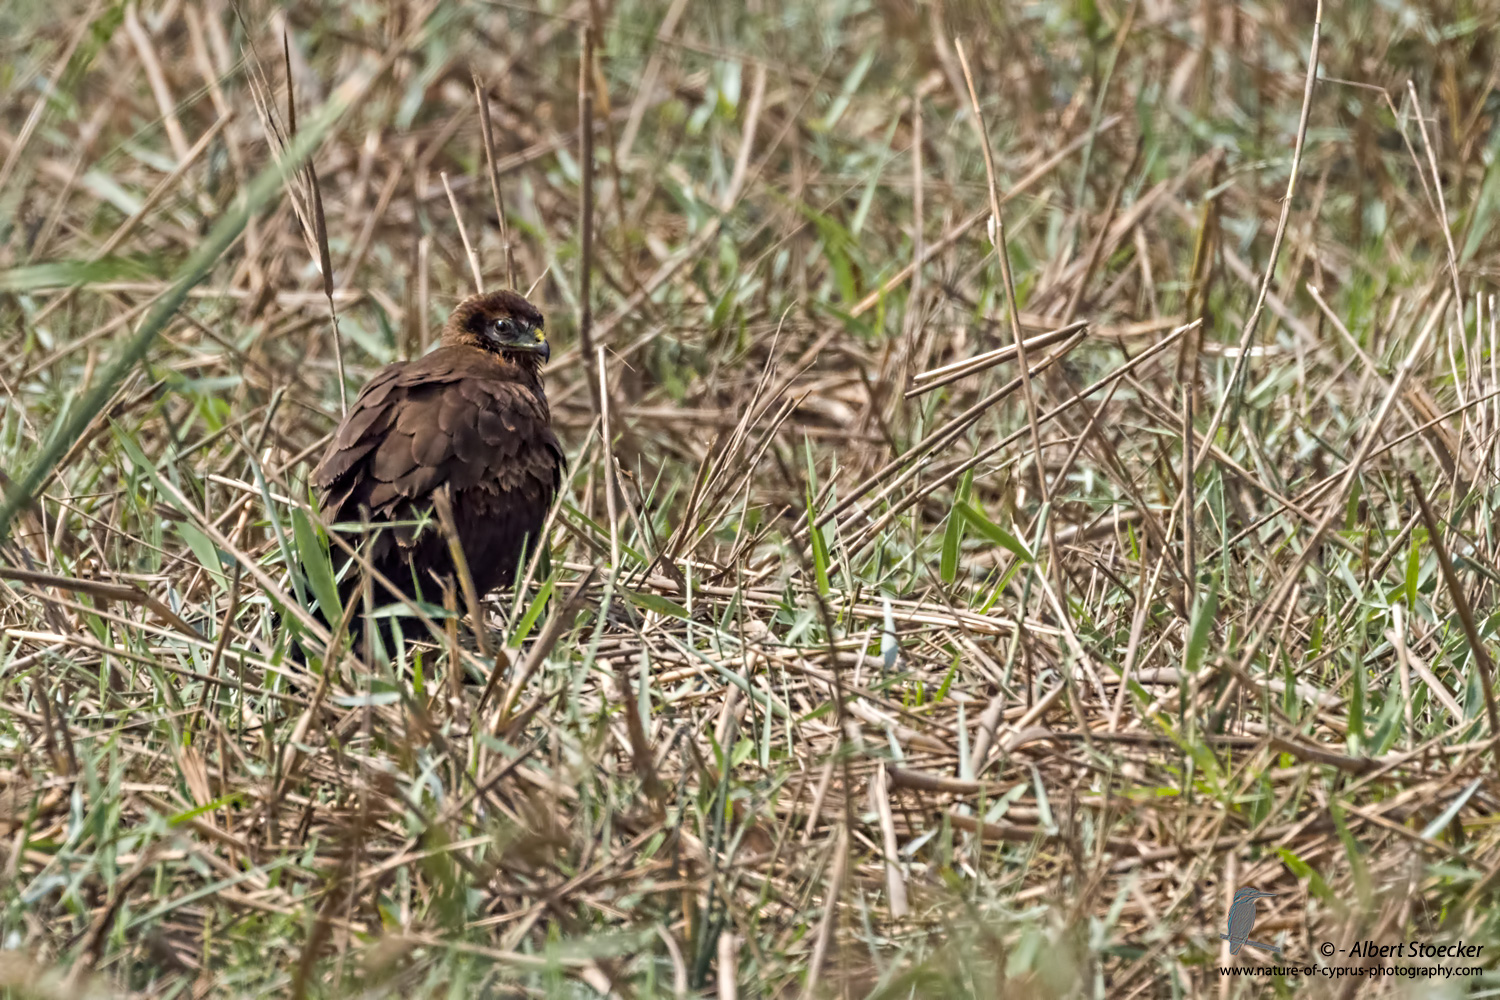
(504,327)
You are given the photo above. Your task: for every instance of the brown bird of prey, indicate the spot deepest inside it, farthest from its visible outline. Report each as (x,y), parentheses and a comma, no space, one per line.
(470,418)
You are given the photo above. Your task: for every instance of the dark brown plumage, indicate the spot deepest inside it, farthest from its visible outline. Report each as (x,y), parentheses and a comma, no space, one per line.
(472,417)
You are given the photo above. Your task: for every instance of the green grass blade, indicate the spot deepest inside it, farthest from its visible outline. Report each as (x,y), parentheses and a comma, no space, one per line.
(258,194)
(313,553)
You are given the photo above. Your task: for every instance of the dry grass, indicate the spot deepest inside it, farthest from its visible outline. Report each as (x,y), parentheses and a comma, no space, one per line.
(828,687)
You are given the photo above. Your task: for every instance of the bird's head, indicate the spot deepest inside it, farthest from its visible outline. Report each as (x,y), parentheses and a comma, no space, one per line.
(1249,893)
(502,323)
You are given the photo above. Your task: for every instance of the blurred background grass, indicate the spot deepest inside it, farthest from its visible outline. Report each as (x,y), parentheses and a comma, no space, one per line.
(1004,723)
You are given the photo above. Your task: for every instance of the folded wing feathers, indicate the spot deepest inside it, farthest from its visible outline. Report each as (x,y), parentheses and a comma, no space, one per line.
(419,425)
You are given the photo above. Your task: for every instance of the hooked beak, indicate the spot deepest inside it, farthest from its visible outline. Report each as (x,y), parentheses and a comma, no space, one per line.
(539,346)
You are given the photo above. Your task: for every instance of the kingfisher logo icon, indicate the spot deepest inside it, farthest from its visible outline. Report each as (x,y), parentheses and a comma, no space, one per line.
(1429,960)
(1242,921)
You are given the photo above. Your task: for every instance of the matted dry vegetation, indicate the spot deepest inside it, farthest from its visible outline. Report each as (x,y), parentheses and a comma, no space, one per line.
(828,686)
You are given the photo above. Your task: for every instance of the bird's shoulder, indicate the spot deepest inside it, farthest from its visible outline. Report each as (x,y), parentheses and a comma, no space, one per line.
(457,415)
